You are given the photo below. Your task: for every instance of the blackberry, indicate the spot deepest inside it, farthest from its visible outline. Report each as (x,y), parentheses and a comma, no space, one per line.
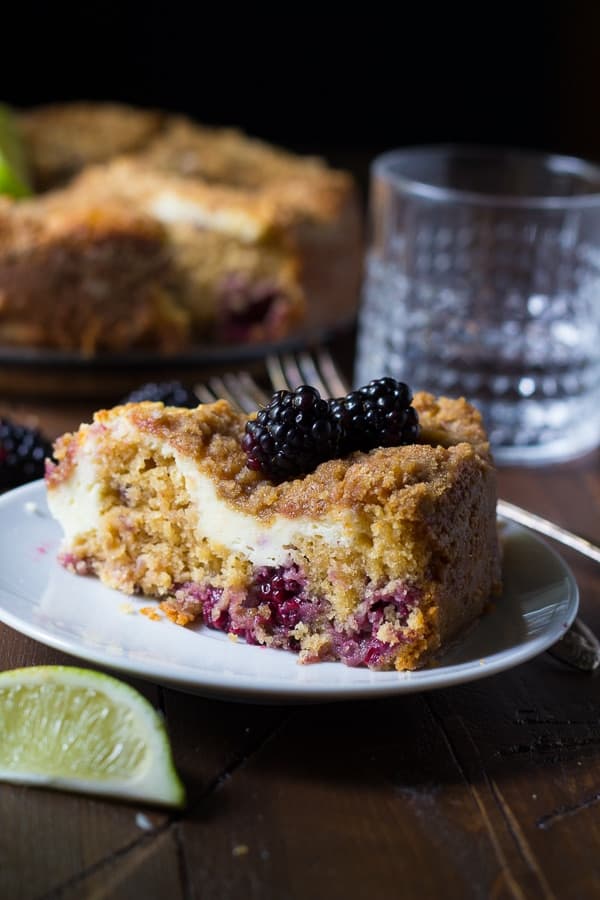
(22,454)
(291,435)
(171,393)
(376,415)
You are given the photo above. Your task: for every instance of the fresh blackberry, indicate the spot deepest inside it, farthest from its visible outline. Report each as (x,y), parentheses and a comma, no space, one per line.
(291,435)
(22,454)
(376,415)
(171,393)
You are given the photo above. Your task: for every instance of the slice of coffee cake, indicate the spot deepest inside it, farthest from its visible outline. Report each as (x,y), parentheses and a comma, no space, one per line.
(236,266)
(63,283)
(377,559)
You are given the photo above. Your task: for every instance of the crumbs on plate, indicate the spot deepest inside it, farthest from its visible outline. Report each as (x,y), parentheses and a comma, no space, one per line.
(151,612)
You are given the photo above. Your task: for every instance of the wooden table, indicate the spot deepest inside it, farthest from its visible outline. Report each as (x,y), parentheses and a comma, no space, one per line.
(488,790)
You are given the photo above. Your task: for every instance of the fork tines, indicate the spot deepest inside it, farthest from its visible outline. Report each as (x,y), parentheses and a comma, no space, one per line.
(286,372)
(290,370)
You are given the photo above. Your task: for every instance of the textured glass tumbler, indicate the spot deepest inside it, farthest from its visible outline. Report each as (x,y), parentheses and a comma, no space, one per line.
(483,281)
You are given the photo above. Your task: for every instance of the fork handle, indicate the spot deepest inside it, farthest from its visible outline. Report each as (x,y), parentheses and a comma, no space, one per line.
(550,529)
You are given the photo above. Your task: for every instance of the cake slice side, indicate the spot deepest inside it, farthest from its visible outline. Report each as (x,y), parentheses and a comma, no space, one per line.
(63,283)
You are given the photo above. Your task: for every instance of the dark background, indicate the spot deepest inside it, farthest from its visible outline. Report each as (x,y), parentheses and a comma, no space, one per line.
(347,86)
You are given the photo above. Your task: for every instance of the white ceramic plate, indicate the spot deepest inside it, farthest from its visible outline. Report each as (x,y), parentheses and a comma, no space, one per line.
(80,616)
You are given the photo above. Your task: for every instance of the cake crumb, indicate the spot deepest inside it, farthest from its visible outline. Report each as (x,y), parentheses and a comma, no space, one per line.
(240,850)
(300,631)
(152,613)
(126,608)
(175,615)
(32,508)
(387,634)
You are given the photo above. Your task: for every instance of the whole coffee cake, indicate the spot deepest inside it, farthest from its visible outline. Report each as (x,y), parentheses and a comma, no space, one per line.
(251,241)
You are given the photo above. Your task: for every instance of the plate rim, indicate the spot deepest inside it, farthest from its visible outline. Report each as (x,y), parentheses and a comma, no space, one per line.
(264,690)
(192,356)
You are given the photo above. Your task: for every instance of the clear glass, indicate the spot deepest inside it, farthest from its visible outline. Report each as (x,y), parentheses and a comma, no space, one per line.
(483,280)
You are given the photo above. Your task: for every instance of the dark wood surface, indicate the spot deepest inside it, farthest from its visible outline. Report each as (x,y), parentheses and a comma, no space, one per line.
(487,790)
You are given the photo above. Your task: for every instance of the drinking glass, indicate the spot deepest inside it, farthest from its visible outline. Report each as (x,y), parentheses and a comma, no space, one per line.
(483,281)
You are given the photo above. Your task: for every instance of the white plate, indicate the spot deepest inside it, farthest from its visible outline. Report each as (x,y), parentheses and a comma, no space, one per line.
(80,616)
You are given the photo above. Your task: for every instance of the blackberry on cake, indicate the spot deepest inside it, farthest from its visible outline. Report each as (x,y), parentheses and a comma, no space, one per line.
(379,414)
(291,435)
(171,393)
(376,559)
(297,429)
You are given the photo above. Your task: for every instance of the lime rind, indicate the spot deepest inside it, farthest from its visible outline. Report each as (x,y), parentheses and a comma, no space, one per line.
(15,179)
(42,748)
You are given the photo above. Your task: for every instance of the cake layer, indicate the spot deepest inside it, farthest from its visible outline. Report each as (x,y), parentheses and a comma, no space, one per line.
(376,559)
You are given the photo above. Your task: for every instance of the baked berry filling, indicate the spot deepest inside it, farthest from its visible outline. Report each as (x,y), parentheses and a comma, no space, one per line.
(77,564)
(379,627)
(277,611)
(267,612)
(246,307)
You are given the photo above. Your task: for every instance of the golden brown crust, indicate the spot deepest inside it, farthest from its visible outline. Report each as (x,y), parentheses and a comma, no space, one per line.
(226,156)
(248,215)
(48,218)
(210,436)
(448,421)
(63,138)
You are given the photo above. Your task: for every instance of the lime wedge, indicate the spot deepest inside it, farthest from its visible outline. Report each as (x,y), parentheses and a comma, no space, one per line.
(14,175)
(79,730)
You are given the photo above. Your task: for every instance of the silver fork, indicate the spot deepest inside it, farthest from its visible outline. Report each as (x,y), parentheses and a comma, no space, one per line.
(579,647)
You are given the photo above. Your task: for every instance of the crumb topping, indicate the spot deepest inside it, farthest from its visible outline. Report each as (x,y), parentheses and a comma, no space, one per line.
(452,438)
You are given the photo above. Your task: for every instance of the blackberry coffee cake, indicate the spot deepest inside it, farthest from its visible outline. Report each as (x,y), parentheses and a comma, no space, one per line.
(376,558)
